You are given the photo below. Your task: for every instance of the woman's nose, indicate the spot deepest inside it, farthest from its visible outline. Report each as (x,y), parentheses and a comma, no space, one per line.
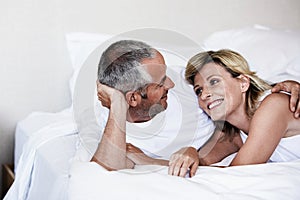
(205,94)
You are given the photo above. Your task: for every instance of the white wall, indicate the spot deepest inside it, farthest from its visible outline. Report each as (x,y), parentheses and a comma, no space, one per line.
(34,64)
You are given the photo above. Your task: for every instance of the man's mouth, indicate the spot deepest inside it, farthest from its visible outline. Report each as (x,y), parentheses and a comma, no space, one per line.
(214,104)
(165,96)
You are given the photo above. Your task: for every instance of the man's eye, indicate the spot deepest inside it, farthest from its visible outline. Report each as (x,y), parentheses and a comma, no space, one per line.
(159,85)
(198,91)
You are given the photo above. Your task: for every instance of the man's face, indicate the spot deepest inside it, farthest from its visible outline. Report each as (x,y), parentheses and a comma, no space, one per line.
(156,92)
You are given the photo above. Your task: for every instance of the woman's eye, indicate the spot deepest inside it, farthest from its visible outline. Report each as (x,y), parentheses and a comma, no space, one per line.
(213,81)
(198,91)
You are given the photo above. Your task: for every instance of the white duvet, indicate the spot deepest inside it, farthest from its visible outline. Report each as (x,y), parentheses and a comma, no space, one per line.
(265,181)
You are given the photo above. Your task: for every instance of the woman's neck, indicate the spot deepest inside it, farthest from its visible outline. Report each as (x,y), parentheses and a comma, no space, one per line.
(240,120)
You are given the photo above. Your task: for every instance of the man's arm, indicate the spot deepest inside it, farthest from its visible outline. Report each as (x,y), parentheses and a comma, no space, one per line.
(140,158)
(294,88)
(111,151)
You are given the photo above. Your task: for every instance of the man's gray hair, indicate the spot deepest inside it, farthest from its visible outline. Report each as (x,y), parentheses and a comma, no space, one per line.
(120,65)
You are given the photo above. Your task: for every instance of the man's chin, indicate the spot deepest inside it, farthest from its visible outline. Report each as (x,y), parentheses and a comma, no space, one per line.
(156,109)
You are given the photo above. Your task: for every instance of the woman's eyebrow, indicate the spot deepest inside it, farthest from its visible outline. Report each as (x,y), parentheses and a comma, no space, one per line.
(196,86)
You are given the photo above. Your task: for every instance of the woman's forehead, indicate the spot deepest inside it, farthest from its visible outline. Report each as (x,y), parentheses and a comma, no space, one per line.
(212,68)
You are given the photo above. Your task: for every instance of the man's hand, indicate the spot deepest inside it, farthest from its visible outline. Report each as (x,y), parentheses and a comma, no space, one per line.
(183,160)
(294,88)
(106,94)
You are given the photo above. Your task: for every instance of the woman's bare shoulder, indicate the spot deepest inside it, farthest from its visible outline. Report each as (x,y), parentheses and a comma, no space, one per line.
(275,106)
(277,99)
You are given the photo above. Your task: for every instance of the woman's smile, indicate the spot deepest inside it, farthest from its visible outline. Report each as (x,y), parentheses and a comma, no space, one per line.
(215,103)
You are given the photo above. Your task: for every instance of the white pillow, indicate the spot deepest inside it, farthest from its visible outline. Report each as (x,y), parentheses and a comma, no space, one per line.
(80,46)
(268,51)
(294,67)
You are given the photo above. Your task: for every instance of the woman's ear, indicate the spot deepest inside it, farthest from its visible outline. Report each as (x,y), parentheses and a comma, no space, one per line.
(132,98)
(245,82)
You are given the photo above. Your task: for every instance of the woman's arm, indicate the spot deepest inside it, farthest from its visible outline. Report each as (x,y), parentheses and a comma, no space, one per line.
(269,124)
(219,147)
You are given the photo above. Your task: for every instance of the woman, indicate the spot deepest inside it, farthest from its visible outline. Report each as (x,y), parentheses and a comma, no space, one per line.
(229,92)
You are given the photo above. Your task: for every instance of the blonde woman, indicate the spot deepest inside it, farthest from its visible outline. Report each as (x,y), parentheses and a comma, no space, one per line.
(229,92)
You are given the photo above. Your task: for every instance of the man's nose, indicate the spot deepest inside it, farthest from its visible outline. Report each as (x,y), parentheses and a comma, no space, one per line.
(169,83)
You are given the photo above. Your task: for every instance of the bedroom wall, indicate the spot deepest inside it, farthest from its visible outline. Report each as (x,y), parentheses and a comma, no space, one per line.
(34,62)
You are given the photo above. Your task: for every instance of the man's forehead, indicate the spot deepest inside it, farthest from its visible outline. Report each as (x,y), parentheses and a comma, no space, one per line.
(156,63)
(155,66)
(156,71)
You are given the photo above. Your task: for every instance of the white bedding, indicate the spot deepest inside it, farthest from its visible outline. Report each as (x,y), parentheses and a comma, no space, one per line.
(49,169)
(48,144)
(34,123)
(50,177)
(266,181)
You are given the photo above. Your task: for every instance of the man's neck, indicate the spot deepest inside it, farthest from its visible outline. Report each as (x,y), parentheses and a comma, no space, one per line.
(133,118)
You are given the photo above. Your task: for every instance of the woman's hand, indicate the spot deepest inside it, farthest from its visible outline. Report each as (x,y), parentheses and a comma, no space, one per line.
(183,160)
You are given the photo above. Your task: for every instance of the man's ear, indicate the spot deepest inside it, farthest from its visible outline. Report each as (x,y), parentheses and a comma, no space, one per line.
(245,82)
(132,98)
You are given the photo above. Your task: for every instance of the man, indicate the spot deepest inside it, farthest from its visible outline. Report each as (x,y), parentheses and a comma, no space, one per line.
(134,86)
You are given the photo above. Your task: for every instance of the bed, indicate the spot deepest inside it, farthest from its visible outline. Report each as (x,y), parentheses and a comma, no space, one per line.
(51,154)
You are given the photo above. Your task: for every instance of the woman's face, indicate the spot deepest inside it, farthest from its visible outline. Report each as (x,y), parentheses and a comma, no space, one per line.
(219,94)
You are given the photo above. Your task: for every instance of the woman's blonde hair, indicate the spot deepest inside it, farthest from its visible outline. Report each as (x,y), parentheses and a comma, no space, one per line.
(236,65)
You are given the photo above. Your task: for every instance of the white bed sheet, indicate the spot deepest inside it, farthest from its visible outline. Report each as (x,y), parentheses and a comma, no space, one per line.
(50,177)
(48,143)
(28,127)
